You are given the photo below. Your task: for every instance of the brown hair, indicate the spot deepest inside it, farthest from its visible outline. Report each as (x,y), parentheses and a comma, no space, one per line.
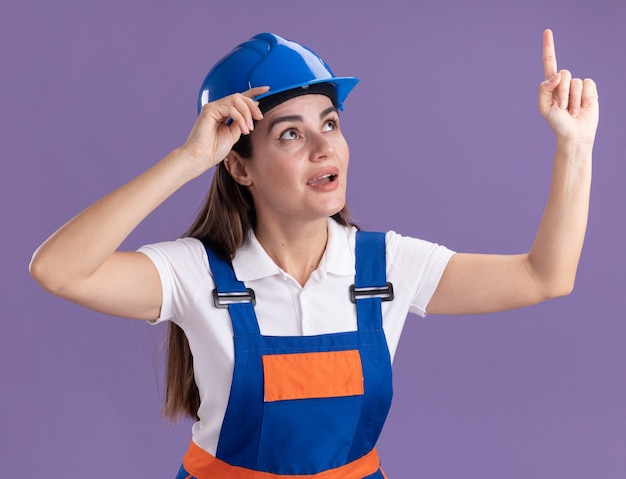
(222,224)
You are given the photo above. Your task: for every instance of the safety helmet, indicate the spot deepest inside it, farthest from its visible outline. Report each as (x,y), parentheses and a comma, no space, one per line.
(269,60)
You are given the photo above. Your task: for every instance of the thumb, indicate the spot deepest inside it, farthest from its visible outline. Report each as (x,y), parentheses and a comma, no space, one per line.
(546,90)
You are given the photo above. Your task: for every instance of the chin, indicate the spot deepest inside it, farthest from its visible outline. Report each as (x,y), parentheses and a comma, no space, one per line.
(333,210)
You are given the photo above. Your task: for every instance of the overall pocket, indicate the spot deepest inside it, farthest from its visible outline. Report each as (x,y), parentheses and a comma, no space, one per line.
(311,410)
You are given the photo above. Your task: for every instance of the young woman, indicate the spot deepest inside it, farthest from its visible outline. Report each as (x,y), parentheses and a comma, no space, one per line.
(283,317)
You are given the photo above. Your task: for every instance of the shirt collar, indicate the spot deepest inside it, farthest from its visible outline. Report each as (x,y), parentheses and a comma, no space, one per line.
(251,262)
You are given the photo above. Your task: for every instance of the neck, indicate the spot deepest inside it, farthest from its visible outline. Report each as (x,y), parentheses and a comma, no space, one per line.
(296,248)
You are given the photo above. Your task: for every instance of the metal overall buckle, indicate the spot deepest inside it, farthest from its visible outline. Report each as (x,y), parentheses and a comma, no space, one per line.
(385,293)
(222,300)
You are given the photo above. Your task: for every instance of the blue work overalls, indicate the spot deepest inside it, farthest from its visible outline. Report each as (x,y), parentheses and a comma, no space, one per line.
(303,406)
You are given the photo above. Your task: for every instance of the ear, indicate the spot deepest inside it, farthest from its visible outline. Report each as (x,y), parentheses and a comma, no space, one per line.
(236,166)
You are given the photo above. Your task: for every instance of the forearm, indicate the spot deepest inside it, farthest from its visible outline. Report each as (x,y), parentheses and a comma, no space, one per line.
(83,244)
(555,253)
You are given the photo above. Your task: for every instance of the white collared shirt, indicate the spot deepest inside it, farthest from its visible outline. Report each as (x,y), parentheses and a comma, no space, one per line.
(283,307)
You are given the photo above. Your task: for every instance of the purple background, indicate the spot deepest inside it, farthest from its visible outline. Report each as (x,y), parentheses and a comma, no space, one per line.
(446,144)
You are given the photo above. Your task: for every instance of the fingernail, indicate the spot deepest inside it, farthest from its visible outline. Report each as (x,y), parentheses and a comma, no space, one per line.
(563,104)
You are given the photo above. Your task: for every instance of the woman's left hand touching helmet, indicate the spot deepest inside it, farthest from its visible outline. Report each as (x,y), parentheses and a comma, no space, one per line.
(219,126)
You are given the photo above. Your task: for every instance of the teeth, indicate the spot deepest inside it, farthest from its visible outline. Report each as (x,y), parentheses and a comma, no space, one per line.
(322,179)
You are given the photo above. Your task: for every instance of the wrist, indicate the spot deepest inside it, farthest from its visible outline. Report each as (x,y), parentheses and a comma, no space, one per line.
(184,166)
(575,148)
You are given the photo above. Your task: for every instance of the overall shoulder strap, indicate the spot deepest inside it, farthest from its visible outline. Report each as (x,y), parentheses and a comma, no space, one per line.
(370,286)
(231,293)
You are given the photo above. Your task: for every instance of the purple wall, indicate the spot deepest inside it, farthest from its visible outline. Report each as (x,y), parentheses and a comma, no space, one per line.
(446,145)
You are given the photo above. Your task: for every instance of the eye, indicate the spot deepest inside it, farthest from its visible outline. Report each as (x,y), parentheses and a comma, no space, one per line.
(330,125)
(289,134)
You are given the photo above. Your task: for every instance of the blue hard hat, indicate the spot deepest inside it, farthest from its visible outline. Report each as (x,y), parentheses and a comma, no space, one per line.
(269,60)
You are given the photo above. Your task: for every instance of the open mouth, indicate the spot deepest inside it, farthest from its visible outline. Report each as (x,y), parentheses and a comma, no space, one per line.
(322,180)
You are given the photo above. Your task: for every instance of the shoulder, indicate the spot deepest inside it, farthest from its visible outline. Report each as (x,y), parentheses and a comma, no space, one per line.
(181,248)
(182,257)
(416,265)
(184,272)
(402,247)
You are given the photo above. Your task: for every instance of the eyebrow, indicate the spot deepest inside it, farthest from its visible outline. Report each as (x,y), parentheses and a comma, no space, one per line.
(298,118)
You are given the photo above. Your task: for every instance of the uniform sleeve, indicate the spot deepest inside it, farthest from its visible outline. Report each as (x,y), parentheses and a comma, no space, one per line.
(184,273)
(416,267)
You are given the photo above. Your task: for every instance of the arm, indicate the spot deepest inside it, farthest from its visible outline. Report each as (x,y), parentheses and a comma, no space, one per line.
(476,283)
(80,262)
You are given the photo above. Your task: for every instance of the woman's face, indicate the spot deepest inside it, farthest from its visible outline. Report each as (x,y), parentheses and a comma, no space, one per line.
(298,169)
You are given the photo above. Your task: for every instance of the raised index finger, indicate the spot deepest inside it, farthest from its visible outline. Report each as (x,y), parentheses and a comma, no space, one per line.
(549,55)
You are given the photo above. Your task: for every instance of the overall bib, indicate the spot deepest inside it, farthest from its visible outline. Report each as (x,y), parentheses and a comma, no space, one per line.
(303,406)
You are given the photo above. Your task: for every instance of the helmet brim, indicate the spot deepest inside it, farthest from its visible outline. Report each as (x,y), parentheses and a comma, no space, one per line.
(343,86)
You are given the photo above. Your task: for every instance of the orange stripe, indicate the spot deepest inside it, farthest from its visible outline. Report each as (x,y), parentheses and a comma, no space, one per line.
(312,375)
(203,465)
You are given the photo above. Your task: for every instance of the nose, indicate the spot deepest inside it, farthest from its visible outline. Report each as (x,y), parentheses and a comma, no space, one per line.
(322,147)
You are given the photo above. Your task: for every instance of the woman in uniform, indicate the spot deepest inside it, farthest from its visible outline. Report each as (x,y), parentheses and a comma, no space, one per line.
(283,316)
